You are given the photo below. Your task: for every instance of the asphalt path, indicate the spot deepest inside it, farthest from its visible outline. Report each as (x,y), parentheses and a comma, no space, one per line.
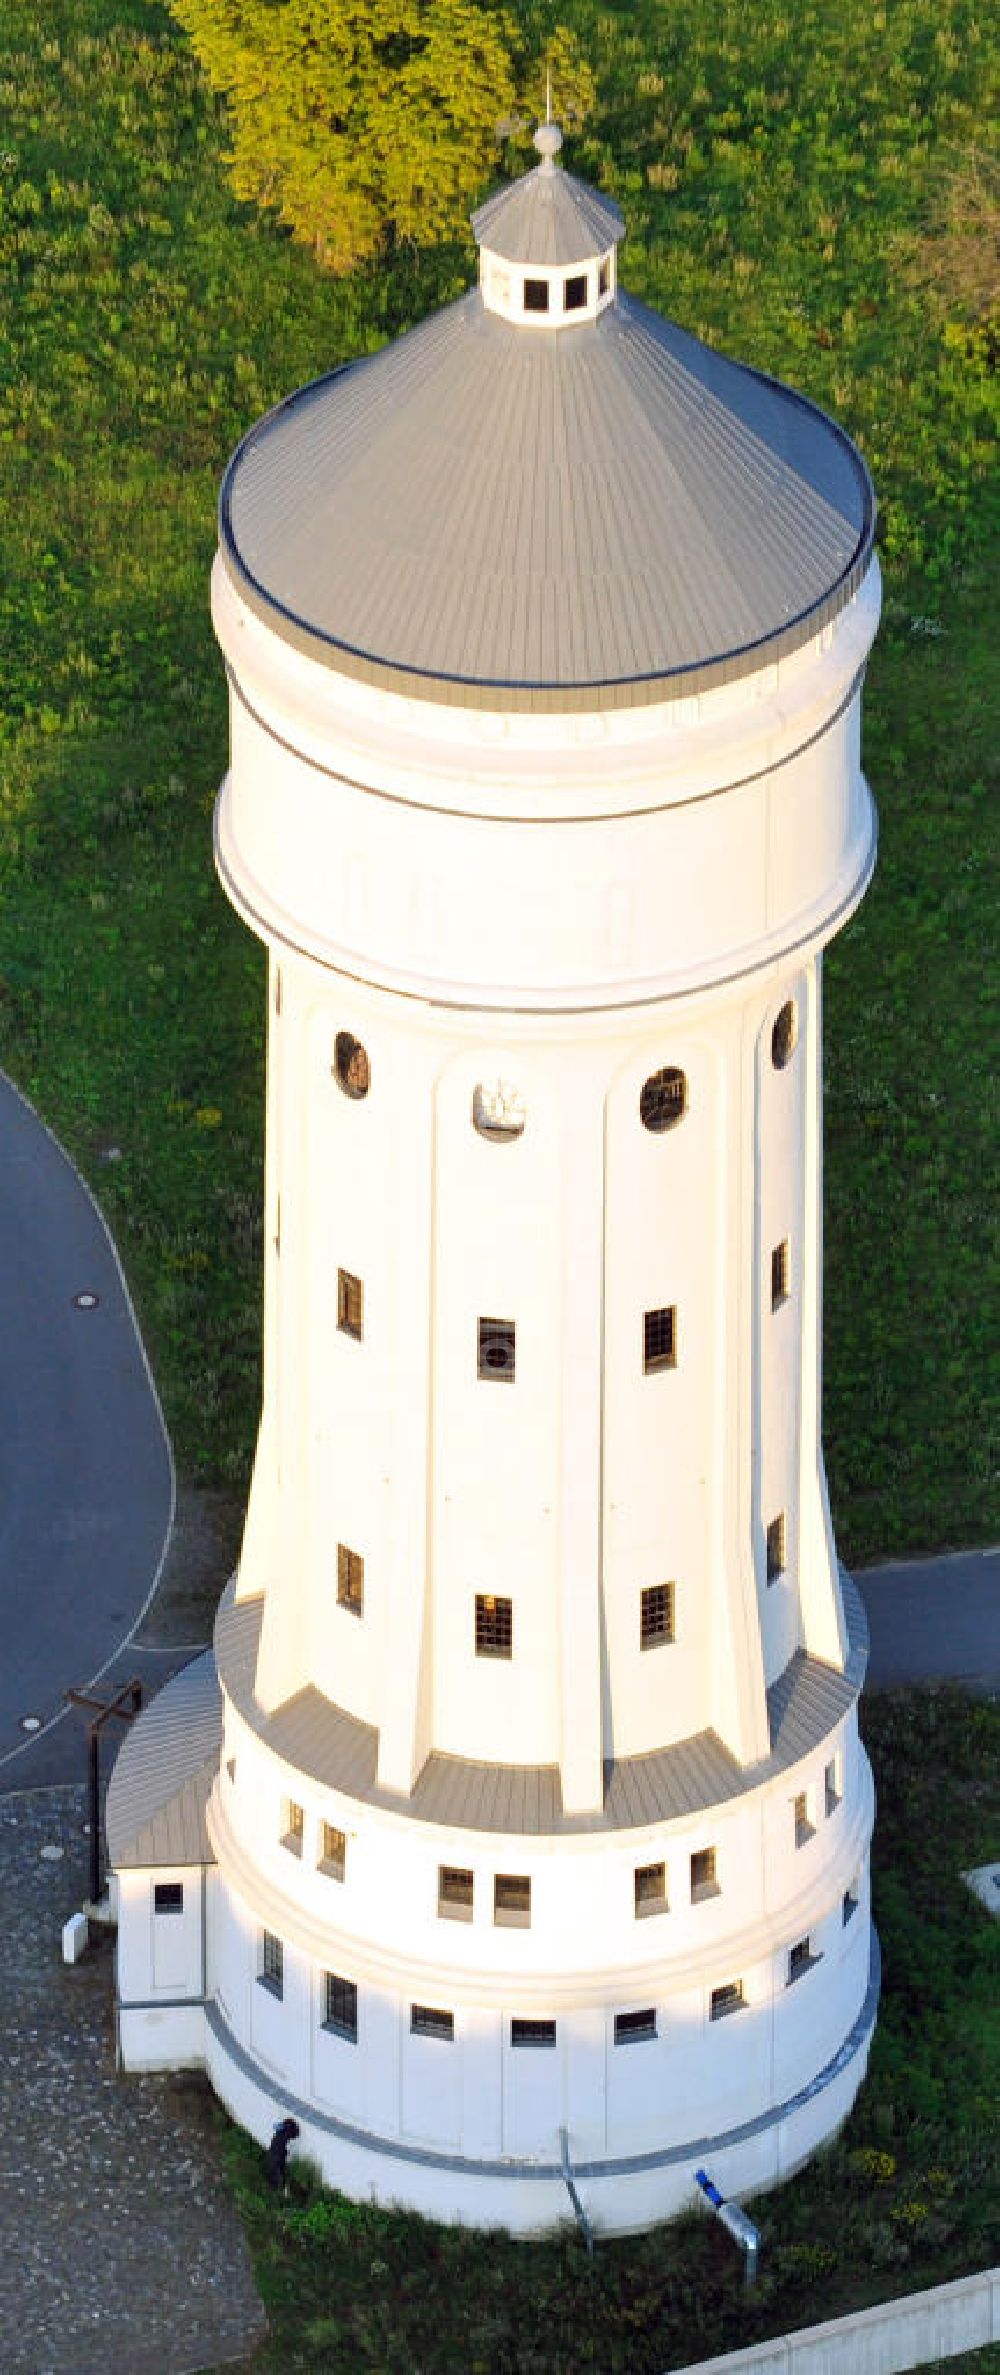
(935,1620)
(86,1474)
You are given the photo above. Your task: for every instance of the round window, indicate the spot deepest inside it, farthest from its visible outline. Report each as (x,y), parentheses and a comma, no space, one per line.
(351,1065)
(784,1035)
(663,1098)
(497,1110)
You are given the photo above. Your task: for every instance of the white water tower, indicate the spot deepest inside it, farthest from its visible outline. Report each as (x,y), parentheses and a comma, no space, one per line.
(539,1803)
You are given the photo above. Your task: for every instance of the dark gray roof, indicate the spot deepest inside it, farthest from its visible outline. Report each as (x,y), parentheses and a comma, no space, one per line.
(582,518)
(320,1739)
(155,1811)
(547,217)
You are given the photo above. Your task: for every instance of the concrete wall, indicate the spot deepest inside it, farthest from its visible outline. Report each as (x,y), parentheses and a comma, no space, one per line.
(913,2332)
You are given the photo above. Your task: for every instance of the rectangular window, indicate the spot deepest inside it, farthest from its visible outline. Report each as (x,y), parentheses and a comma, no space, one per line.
(805,1828)
(333,1851)
(427,2021)
(272,1964)
(168,1896)
(536,296)
(575,292)
(656,1615)
(350,1580)
(603,277)
(650,1889)
(703,1876)
(496,1350)
(632,2027)
(532,2032)
(659,1339)
(780,1274)
(294,1830)
(775,1548)
(850,1904)
(800,1960)
(831,1786)
(455,1889)
(512,1901)
(729,1998)
(340,2006)
(494,1626)
(350,1305)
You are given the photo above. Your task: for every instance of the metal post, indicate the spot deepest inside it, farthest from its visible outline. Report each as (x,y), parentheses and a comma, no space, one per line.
(735,2221)
(94,1746)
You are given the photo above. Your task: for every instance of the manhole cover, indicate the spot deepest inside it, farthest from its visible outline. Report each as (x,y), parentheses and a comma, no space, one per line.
(86,1300)
(52,1854)
(30,1723)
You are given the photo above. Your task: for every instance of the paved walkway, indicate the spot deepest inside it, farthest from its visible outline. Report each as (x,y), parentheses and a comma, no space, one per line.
(935,1620)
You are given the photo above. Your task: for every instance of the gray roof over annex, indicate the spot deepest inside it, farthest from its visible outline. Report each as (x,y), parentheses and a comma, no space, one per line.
(158,1791)
(598,514)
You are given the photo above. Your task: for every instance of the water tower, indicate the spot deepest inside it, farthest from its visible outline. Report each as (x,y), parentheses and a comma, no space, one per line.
(523,1801)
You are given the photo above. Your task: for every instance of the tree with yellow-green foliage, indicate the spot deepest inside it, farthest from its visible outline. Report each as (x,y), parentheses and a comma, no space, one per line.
(360,122)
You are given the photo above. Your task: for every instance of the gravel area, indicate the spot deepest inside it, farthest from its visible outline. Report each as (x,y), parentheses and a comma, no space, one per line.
(121,2248)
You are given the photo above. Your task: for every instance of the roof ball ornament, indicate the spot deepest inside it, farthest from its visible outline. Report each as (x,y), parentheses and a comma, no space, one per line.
(548,141)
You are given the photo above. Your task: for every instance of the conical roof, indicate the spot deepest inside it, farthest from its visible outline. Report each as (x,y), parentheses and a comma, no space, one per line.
(547,217)
(601,514)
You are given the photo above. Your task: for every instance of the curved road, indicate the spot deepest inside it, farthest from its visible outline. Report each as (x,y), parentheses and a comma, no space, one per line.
(86,1475)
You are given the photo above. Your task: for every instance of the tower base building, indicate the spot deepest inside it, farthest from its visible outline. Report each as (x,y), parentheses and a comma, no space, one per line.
(519,1820)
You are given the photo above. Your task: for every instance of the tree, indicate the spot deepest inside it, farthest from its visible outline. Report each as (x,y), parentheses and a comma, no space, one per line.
(361,122)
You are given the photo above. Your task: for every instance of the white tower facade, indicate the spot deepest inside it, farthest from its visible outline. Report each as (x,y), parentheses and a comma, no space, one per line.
(538,1832)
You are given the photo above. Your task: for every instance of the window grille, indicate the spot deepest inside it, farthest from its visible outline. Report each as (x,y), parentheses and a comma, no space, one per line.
(536,296)
(849,1906)
(650,1889)
(729,1998)
(704,1881)
(494,1626)
(663,1097)
(427,2021)
(659,1339)
(831,1787)
(350,1580)
(351,1065)
(631,2027)
(333,1851)
(497,1110)
(780,1274)
(775,1563)
(532,2032)
(350,1305)
(575,292)
(168,1896)
(272,1964)
(784,1035)
(295,1824)
(512,1900)
(799,1959)
(656,1615)
(455,1892)
(496,1350)
(804,1827)
(340,2006)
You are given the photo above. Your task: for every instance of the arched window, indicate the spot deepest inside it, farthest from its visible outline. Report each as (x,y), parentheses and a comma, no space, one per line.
(663,1098)
(497,1110)
(351,1065)
(784,1035)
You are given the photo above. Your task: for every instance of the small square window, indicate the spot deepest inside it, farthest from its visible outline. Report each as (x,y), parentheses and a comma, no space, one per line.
(350,1305)
(536,296)
(333,1851)
(659,1339)
(294,1830)
(533,2032)
(350,1580)
(800,1960)
(604,276)
(781,1270)
(775,1564)
(272,1964)
(494,1626)
(427,2021)
(849,1905)
(512,1901)
(455,1892)
(496,1350)
(805,1828)
(340,2006)
(632,2027)
(704,1883)
(729,1998)
(575,292)
(831,1786)
(168,1896)
(650,1889)
(656,1615)
(231,1767)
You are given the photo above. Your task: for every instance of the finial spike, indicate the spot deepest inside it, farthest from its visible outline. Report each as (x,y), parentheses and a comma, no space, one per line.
(548,94)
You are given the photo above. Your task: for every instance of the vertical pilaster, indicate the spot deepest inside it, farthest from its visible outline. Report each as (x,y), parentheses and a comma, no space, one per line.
(823,1629)
(578,1577)
(404,1714)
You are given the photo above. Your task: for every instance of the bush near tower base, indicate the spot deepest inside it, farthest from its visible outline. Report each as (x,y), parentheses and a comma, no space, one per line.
(784,173)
